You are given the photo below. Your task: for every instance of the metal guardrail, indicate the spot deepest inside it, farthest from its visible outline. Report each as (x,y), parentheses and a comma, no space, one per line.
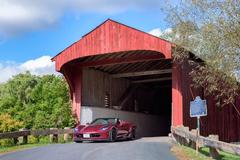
(183,135)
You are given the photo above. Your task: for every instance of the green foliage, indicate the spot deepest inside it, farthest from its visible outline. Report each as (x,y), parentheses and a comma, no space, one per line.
(6,142)
(8,124)
(217,83)
(32,139)
(37,101)
(211,30)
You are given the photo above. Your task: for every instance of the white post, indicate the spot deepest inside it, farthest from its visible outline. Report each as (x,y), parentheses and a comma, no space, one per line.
(198,133)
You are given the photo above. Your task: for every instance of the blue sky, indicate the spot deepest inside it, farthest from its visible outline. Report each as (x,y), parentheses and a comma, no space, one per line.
(31,32)
(70,28)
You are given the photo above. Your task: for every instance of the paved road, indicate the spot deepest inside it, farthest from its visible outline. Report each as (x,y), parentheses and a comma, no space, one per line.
(143,149)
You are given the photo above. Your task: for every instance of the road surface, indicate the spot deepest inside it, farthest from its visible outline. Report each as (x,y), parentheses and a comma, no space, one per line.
(157,148)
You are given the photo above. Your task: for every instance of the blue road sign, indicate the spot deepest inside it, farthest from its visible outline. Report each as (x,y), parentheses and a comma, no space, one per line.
(198,107)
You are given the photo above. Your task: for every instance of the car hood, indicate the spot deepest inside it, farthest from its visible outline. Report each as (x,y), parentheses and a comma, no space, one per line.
(92,128)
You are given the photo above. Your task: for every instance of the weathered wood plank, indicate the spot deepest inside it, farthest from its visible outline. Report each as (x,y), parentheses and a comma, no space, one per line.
(34,133)
(227,147)
(50,131)
(96,84)
(142,73)
(121,60)
(153,80)
(208,142)
(14,134)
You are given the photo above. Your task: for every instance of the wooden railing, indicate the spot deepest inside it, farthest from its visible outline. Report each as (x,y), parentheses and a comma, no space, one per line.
(52,132)
(190,138)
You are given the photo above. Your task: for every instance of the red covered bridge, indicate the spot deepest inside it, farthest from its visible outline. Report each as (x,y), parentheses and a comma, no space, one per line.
(117,67)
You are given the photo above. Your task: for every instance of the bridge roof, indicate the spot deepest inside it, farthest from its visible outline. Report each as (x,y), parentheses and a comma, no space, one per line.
(112,37)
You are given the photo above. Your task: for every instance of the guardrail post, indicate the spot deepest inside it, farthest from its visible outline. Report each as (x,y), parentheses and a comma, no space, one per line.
(66,135)
(186,140)
(24,138)
(15,141)
(213,151)
(193,143)
(53,137)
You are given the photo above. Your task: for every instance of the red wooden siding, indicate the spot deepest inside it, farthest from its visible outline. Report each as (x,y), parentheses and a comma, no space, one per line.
(74,80)
(224,121)
(112,37)
(177,98)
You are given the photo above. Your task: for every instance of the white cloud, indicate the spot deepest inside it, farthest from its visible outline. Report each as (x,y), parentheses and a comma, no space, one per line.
(158,32)
(166,34)
(39,66)
(17,16)
(20,16)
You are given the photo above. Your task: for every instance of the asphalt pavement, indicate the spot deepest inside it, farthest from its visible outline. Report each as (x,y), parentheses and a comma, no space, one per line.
(157,148)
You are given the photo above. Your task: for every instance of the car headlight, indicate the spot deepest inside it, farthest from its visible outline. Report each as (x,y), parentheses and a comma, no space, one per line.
(104,128)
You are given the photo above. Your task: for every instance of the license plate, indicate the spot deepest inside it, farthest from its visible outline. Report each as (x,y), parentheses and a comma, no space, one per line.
(86,135)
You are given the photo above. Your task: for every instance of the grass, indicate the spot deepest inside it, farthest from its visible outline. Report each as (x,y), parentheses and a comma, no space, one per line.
(6,145)
(186,153)
(223,155)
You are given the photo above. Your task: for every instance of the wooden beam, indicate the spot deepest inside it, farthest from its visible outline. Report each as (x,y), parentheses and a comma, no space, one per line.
(153,80)
(143,73)
(206,141)
(127,95)
(122,60)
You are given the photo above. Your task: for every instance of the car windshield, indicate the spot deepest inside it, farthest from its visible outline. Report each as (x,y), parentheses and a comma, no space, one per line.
(103,121)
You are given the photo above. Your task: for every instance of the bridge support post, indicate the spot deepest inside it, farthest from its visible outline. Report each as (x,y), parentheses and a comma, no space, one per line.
(213,151)
(24,139)
(66,135)
(53,137)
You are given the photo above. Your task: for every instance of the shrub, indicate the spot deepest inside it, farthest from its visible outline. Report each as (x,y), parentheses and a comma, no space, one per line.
(8,124)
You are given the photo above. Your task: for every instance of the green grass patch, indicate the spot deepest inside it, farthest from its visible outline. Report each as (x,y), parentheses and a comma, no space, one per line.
(187,153)
(192,153)
(223,155)
(7,145)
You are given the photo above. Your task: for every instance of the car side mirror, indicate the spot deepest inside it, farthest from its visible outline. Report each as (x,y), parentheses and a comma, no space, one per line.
(118,123)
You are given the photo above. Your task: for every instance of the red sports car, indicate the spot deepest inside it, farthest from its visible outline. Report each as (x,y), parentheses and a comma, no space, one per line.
(105,129)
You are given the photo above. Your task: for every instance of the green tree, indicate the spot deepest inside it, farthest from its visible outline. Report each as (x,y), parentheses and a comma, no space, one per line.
(37,101)
(211,30)
(15,94)
(53,103)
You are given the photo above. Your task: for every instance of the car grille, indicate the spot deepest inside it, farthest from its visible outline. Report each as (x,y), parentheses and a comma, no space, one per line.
(95,135)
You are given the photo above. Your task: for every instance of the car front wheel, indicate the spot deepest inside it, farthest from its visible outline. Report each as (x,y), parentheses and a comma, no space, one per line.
(112,135)
(133,134)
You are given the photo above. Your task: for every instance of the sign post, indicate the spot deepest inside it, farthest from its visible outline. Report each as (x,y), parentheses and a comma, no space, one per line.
(198,132)
(198,108)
